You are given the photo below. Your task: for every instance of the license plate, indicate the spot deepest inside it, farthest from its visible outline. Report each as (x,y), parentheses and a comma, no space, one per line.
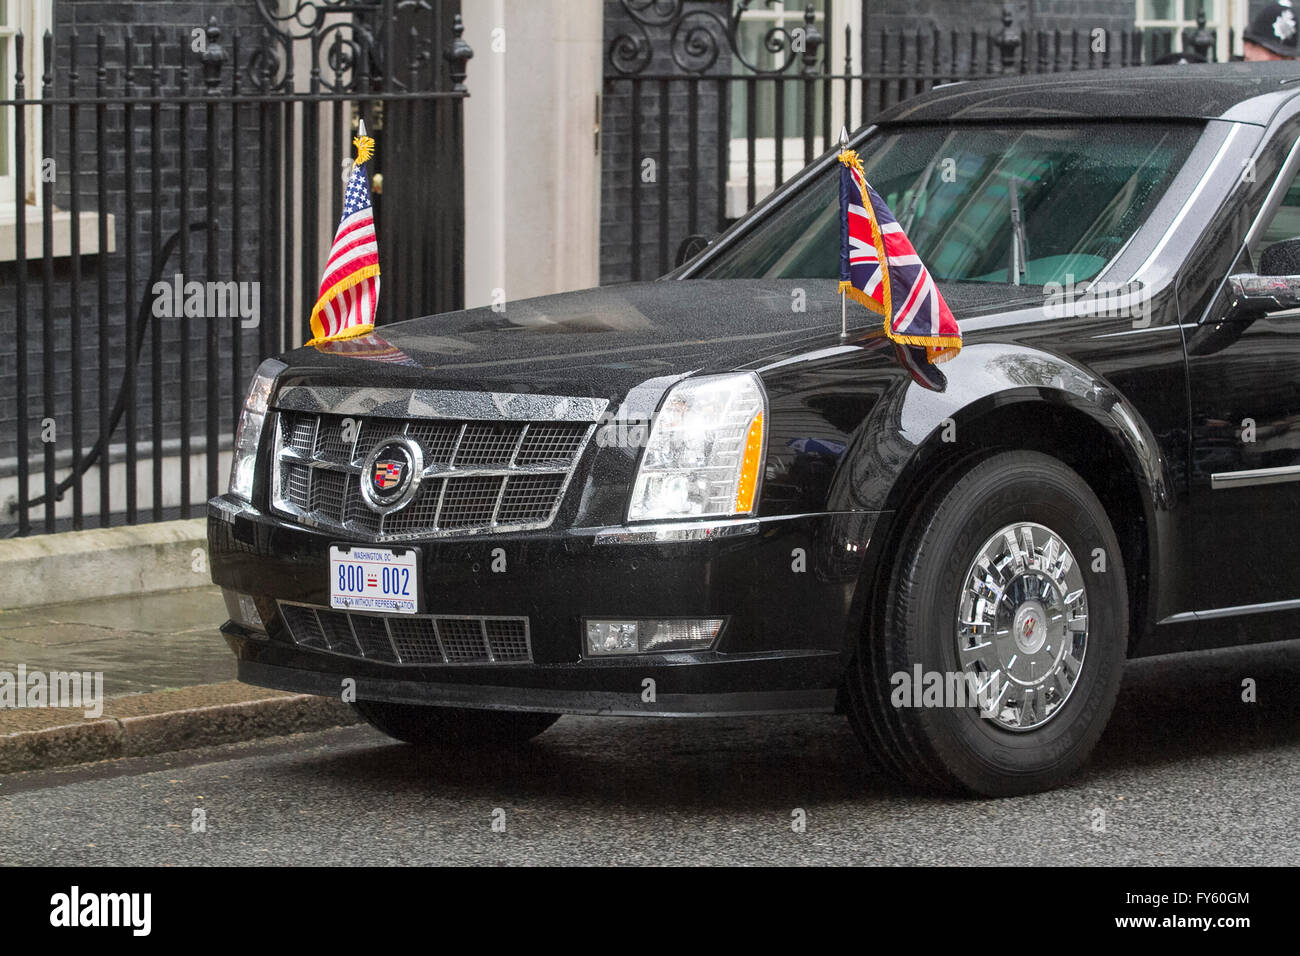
(374,579)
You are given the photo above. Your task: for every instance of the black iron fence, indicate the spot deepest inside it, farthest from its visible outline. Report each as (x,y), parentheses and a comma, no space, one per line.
(707,110)
(174,195)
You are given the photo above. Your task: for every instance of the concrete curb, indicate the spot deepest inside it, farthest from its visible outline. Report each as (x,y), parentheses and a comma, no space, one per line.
(105,562)
(183,729)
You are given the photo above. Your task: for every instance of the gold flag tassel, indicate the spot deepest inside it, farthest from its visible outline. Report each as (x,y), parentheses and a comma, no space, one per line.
(365,146)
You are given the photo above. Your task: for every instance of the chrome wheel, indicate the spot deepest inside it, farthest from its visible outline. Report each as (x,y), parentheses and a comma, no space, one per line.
(1022,625)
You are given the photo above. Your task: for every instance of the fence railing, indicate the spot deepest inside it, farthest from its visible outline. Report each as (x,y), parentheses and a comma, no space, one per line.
(176,196)
(698,129)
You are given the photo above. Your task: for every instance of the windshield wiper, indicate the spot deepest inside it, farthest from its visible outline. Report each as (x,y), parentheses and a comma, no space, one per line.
(909,211)
(1019,244)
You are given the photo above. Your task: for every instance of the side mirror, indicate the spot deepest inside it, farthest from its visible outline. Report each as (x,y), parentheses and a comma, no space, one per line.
(1275,289)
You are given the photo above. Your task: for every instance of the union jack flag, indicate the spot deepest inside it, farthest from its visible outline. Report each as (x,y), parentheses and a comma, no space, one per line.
(880,269)
(349,288)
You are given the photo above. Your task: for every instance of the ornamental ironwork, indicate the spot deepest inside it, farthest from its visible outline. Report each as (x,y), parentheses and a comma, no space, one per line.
(698,38)
(352,46)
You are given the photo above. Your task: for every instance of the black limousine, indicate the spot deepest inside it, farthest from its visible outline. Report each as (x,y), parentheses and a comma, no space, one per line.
(695,496)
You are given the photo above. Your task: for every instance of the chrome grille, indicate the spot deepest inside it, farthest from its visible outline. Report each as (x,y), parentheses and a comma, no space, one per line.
(410,639)
(528,496)
(478,475)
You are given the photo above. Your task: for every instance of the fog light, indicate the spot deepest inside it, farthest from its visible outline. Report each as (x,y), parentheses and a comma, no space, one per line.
(610,638)
(243,610)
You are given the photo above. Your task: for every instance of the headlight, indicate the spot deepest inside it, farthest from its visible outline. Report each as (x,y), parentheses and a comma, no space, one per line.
(249,433)
(705,450)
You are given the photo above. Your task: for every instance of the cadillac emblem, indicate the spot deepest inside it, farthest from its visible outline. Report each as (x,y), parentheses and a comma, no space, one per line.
(390,475)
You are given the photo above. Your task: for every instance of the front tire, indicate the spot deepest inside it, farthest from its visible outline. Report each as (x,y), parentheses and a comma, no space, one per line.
(452,727)
(1008,587)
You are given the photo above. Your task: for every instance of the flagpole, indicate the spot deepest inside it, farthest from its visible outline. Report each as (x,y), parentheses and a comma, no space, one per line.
(844,309)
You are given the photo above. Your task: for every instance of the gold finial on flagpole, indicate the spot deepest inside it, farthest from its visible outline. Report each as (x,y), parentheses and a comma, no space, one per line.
(364,144)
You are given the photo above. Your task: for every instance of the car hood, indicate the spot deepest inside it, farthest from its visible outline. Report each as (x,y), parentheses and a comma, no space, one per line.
(602,342)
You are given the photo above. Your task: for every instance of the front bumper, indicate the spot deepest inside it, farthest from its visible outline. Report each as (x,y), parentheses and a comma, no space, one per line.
(788,589)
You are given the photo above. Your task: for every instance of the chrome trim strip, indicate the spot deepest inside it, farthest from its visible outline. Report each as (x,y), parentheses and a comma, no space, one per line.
(291,454)
(275,493)
(1281,183)
(433,471)
(356,533)
(1192,203)
(1258,476)
(1187,617)
(1148,329)
(702,529)
(422,403)
(675,532)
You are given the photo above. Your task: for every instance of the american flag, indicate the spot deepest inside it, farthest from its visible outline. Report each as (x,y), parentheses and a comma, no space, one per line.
(880,269)
(349,289)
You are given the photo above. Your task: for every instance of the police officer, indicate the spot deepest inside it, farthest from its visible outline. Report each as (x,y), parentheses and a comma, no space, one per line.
(1272,34)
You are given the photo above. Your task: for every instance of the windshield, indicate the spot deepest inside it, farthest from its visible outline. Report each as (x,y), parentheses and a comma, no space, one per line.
(982,204)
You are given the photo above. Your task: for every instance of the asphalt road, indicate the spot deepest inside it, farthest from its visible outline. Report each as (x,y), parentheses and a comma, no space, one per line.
(1186,773)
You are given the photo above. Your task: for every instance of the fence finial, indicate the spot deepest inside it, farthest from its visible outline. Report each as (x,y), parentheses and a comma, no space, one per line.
(457,54)
(1008,40)
(213,57)
(812,40)
(1201,39)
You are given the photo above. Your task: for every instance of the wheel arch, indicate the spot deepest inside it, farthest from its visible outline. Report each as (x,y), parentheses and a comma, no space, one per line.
(1073,416)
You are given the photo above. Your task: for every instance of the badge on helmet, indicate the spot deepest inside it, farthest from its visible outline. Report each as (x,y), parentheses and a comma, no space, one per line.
(1275,29)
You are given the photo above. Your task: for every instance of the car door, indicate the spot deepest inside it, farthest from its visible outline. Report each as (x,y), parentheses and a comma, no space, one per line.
(1244,381)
